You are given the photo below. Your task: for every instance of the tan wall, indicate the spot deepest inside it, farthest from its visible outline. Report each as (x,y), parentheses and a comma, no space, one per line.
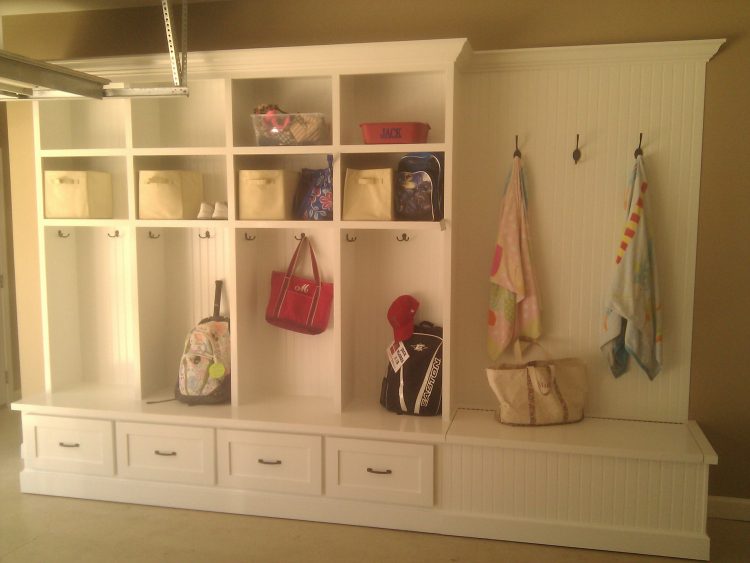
(721,376)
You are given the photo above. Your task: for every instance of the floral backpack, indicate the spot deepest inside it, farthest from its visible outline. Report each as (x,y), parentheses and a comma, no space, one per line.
(313,200)
(205,366)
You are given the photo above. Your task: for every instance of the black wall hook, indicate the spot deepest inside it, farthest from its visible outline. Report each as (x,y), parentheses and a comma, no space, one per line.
(152,235)
(350,239)
(517,152)
(207,235)
(300,237)
(61,234)
(403,238)
(639,152)
(250,237)
(577,152)
(115,235)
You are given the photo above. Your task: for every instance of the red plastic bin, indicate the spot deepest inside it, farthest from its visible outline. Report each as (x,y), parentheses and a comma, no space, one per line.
(394,132)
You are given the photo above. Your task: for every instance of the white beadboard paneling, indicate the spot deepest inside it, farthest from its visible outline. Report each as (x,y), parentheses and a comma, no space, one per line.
(90,306)
(577,211)
(573,488)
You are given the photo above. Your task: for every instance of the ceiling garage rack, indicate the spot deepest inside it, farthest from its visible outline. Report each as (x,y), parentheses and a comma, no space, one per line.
(22,78)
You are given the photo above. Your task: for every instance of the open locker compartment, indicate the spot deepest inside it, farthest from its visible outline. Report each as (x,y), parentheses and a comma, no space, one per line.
(283,370)
(177,271)
(377,266)
(90,304)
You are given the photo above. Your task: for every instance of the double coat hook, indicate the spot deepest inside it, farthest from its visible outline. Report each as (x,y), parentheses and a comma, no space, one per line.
(577,152)
(517,152)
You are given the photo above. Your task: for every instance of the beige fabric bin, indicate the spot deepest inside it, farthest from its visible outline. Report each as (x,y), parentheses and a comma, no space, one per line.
(267,194)
(368,195)
(169,194)
(75,194)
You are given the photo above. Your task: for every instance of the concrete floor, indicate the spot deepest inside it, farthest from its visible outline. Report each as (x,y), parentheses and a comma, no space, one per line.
(56,530)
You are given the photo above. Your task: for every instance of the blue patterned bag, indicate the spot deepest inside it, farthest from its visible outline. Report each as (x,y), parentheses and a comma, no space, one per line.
(313,200)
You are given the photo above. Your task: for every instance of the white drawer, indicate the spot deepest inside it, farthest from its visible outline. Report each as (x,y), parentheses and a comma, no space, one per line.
(286,463)
(77,445)
(380,471)
(179,454)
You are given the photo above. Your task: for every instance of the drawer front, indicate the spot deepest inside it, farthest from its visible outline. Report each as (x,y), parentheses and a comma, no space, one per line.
(286,463)
(76,445)
(155,452)
(380,471)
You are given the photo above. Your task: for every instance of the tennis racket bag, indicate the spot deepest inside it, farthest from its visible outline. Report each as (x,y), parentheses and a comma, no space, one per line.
(416,388)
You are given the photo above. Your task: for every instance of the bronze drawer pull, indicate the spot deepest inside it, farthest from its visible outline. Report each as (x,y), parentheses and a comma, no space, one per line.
(73,445)
(157,452)
(378,472)
(274,462)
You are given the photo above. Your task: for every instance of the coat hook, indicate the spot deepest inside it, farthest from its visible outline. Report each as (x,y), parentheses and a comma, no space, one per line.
(403,238)
(62,235)
(115,235)
(152,235)
(639,152)
(250,237)
(577,152)
(207,235)
(517,152)
(350,239)
(300,237)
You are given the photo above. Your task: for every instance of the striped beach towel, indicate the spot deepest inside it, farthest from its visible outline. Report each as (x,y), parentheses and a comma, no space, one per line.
(632,318)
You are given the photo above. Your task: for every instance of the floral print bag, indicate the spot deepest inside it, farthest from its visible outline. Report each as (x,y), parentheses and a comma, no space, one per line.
(313,200)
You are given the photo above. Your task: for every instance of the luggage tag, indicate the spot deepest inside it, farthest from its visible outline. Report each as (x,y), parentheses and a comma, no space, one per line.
(397,355)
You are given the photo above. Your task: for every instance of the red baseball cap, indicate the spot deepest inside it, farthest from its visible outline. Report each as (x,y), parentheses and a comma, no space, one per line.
(401,316)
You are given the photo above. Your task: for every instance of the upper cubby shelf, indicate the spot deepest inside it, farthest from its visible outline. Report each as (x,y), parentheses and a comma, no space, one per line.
(392,97)
(193,121)
(308,95)
(82,124)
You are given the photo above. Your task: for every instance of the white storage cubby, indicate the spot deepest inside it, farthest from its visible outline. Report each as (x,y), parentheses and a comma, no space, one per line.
(120,295)
(83,124)
(393,97)
(302,94)
(89,307)
(197,120)
(274,363)
(377,266)
(115,166)
(177,271)
(293,162)
(213,170)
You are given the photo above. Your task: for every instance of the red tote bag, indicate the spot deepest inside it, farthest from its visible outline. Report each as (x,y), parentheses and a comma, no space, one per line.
(299,304)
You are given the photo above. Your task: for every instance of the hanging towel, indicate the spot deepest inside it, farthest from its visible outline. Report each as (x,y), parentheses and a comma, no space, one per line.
(632,319)
(514,309)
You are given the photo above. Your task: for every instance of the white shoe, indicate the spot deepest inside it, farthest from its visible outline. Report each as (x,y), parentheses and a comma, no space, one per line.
(206,211)
(221,211)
